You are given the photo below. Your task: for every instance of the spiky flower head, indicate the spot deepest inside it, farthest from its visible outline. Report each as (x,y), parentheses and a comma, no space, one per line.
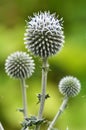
(19,65)
(44,34)
(69,86)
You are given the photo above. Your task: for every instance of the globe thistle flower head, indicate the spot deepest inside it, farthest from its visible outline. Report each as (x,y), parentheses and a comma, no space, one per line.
(69,86)
(44,34)
(19,65)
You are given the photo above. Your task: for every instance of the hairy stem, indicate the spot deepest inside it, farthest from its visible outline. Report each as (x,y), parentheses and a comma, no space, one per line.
(43,91)
(61,109)
(24,98)
(1,127)
(45,67)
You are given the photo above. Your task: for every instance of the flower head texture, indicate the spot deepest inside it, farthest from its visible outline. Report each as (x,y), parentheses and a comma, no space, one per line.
(44,34)
(69,86)
(19,65)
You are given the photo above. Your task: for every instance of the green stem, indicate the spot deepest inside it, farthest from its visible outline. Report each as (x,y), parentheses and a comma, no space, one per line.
(61,109)
(24,98)
(45,67)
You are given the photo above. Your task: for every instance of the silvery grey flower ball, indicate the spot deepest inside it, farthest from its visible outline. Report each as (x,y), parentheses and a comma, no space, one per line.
(69,86)
(44,34)
(19,65)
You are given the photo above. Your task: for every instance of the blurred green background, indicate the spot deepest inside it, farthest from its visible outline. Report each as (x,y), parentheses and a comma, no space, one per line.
(70,61)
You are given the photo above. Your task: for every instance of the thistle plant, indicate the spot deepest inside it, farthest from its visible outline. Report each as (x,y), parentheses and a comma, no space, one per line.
(20,65)
(69,86)
(44,37)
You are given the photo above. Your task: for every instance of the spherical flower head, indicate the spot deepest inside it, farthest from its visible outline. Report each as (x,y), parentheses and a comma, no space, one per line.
(69,86)
(19,65)
(44,34)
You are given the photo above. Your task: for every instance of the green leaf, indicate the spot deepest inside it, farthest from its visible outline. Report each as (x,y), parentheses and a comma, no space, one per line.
(30,122)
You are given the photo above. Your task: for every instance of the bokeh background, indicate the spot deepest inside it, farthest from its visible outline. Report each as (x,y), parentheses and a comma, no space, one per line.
(70,61)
